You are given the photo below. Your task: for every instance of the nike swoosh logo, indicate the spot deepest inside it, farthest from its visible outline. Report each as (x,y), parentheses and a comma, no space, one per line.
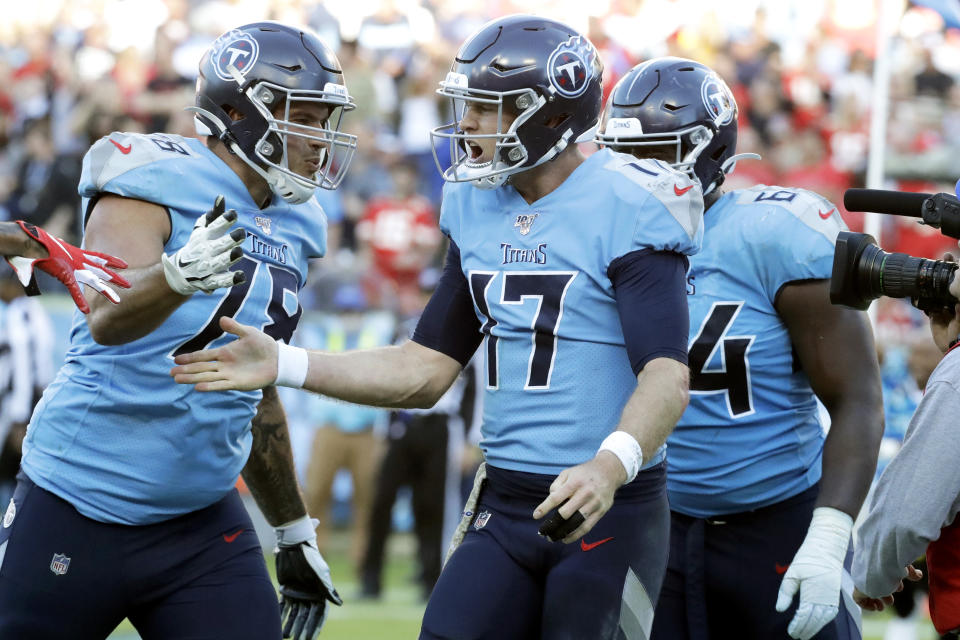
(826,215)
(586,546)
(123,149)
(233,536)
(781,568)
(677,190)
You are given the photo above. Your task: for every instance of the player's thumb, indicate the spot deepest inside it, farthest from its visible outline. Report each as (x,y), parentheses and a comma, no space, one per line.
(788,589)
(230,325)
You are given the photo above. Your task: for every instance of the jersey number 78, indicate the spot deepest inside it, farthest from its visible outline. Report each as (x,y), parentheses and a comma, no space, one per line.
(281,324)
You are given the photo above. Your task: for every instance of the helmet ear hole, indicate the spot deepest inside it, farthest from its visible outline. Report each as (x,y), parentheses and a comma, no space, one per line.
(233,113)
(718,153)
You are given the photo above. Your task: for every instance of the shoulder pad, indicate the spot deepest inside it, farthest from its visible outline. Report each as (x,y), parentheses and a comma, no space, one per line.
(121,152)
(812,209)
(643,178)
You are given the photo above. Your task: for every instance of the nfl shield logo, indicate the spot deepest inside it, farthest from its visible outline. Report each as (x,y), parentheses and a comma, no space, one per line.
(59,564)
(482,518)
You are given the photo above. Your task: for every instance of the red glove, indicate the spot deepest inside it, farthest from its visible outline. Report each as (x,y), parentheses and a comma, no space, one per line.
(70,265)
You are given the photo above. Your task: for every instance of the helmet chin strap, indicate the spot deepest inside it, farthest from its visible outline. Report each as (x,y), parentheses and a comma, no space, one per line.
(553,151)
(491,182)
(288,187)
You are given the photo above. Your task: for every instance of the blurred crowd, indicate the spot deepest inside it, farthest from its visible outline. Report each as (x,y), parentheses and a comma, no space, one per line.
(72,71)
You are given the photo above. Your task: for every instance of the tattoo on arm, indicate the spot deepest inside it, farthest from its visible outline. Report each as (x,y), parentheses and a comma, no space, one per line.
(269,473)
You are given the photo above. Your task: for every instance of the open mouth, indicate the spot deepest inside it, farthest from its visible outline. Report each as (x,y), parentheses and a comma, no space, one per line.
(474,152)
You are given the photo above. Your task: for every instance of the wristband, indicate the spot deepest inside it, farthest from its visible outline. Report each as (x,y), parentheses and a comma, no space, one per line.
(627,449)
(292,363)
(297,531)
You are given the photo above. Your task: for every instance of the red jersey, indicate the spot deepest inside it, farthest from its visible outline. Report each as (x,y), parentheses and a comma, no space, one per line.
(401,234)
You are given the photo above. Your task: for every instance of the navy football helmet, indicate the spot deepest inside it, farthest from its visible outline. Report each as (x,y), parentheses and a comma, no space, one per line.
(678,104)
(541,70)
(257,69)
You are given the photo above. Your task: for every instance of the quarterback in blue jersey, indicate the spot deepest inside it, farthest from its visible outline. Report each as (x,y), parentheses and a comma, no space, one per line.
(571,271)
(761,503)
(125,504)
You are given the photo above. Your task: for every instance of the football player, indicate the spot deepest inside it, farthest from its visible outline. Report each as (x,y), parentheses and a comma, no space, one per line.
(26,247)
(761,503)
(571,272)
(125,505)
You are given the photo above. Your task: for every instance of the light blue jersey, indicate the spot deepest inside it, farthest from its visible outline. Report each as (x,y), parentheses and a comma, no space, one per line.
(114,435)
(751,435)
(557,372)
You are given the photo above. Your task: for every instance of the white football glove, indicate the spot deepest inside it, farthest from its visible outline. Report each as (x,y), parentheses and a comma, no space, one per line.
(304,577)
(816,571)
(203,263)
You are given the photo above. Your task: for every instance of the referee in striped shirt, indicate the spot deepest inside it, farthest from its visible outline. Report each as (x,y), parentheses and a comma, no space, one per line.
(26,368)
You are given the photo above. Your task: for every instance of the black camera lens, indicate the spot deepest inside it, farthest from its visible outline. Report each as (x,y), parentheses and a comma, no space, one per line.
(862,272)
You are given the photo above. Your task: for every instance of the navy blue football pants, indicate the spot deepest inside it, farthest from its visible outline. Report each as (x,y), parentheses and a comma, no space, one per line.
(505,582)
(724,574)
(200,576)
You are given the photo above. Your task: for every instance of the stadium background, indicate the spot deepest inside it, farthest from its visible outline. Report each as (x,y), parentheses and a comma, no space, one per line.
(72,71)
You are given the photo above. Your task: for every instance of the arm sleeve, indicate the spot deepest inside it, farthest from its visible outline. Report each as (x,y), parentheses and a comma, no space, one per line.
(449,324)
(915,497)
(650,287)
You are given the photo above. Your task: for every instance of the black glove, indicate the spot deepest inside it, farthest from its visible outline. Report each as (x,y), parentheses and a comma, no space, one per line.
(555,527)
(304,577)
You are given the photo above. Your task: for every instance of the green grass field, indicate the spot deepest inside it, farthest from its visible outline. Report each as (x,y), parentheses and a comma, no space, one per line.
(396,616)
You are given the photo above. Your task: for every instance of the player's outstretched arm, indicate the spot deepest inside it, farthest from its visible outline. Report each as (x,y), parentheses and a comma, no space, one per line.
(244,364)
(28,247)
(405,376)
(137,231)
(647,419)
(836,350)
